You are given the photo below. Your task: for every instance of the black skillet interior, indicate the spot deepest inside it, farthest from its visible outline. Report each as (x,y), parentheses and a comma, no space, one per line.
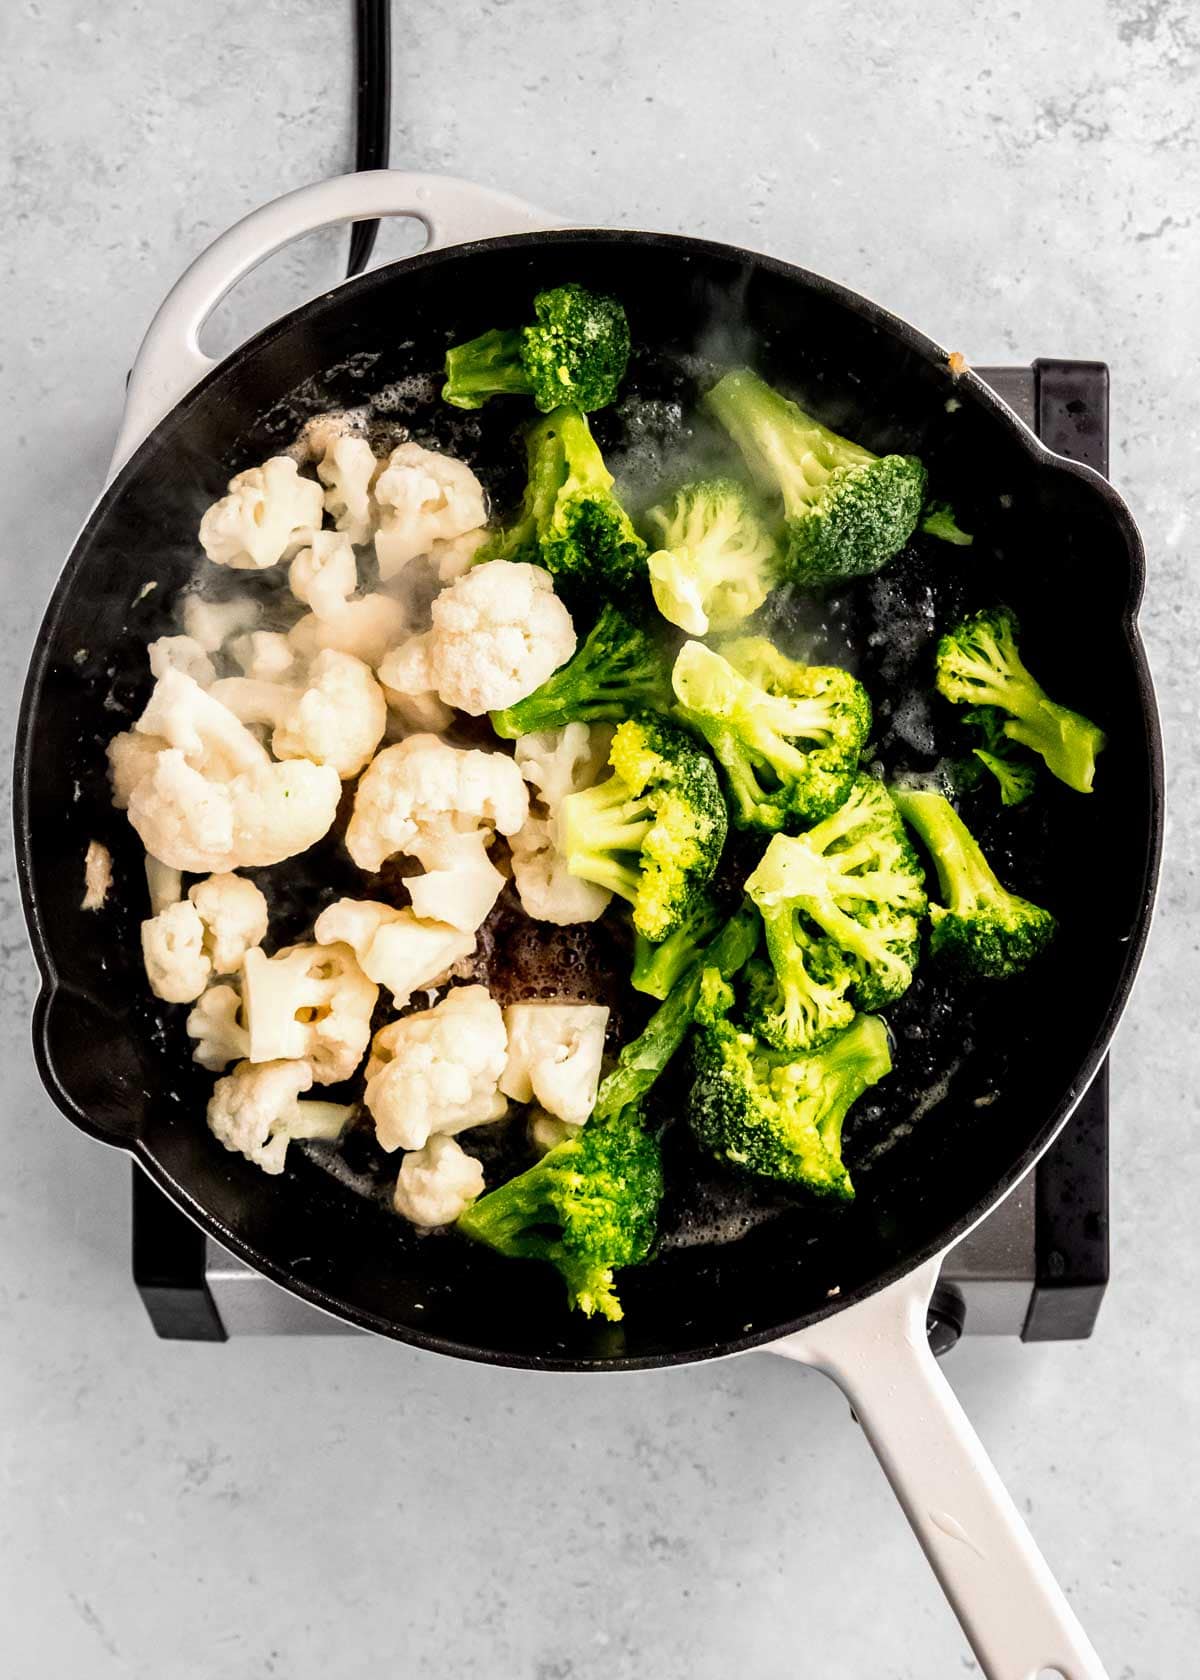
(981,1082)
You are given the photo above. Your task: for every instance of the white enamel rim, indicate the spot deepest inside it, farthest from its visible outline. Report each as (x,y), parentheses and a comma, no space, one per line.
(1012,1610)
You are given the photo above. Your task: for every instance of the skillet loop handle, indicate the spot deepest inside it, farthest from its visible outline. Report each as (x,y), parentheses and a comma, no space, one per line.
(1013,1612)
(170,360)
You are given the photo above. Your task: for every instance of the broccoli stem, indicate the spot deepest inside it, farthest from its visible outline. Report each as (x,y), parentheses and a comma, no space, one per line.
(644,1058)
(785,448)
(965,877)
(487,366)
(600,824)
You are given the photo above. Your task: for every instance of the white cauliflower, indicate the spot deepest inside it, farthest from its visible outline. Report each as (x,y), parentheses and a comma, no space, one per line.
(365,628)
(546,1131)
(310,1003)
(437,1073)
(420,794)
(131,758)
(213,623)
(437,1183)
(255,1112)
(97,876)
(556,762)
(164,885)
(394,947)
(264,655)
(325,575)
(554,1056)
(423,498)
(347,470)
(269,512)
(415,714)
(498,632)
(337,718)
(216,1025)
(181,653)
(209,736)
(177,966)
(455,555)
(234,913)
(460,884)
(260,817)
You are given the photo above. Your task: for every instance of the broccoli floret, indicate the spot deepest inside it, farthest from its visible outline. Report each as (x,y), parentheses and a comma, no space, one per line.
(1015,774)
(574,352)
(939,521)
(645,1057)
(569,521)
(716,563)
(617,670)
(779,1115)
(787,736)
(841,906)
(981,929)
(589,1206)
(658,967)
(978,665)
(846,511)
(652,831)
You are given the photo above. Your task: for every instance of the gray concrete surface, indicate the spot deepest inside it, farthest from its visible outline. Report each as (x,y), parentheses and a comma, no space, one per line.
(1018,179)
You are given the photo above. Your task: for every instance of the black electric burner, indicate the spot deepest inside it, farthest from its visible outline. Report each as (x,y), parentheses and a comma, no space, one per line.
(1037,1267)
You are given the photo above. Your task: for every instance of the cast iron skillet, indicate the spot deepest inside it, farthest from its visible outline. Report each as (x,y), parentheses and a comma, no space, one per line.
(1054,541)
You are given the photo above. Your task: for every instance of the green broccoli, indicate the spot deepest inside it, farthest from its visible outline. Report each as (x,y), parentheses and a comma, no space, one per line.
(938,521)
(787,736)
(779,1115)
(841,906)
(978,665)
(716,563)
(589,1206)
(1015,774)
(658,967)
(982,929)
(652,831)
(574,352)
(846,511)
(617,670)
(645,1057)
(569,521)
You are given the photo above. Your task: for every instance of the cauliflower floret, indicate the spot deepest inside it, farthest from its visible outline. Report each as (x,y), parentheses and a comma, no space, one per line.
(460,884)
(546,1131)
(556,762)
(325,575)
(260,817)
(97,876)
(437,1073)
(131,758)
(255,1112)
(209,736)
(392,946)
(213,623)
(173,952)
(337,718)
(164,885)
(437,1183)
(498,633)
(366,628)
(347,471)
(216,1025)
(264,655)
(417,794)
(234,913)
(309,1002)
(415,714)
(181,653)
(269,512)
(423,498)
(455,555)
(554,1056)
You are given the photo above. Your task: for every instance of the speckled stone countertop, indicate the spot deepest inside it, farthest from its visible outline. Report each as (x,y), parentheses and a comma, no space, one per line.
(1019,180)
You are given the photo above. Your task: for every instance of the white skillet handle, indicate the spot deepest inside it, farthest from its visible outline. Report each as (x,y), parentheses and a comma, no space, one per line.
(1012,1610)
(170,359)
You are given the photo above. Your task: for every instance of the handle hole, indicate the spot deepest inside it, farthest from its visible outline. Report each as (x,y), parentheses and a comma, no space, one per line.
(302,270)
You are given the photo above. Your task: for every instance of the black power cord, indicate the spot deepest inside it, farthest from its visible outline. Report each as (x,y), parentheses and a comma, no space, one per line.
(373,110)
